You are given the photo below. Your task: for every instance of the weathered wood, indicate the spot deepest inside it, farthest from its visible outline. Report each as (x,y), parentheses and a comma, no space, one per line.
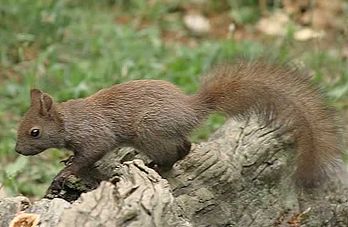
(242,176)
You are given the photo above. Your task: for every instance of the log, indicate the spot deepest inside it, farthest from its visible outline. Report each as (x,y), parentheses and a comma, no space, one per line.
(242,176)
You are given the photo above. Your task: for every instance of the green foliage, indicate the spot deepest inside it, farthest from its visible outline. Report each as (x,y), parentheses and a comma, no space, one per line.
(244,12)
(24,23)
(73,48)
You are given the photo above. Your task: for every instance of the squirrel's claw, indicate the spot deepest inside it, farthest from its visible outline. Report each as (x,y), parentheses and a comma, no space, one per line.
(68,161)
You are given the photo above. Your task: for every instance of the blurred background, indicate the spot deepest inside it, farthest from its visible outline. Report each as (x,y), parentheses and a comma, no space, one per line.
(72,48)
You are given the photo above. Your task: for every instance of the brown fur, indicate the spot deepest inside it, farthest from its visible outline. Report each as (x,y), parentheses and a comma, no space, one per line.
(282,95)
(156,117)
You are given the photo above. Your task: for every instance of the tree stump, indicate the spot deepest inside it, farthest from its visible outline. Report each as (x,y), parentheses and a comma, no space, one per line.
(242,176)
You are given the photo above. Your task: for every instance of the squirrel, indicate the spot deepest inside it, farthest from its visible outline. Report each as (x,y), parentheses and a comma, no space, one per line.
(156,117)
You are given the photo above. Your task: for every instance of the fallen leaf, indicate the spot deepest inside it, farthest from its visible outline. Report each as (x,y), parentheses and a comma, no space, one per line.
(274,24)
(197,23)
(308,33)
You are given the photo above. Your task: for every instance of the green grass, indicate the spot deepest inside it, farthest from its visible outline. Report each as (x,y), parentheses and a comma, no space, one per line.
(71,49)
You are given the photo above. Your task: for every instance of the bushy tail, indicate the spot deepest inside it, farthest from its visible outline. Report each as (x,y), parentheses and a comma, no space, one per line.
(285,95)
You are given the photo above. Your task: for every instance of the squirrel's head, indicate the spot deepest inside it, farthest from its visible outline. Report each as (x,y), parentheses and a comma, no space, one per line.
(42,127)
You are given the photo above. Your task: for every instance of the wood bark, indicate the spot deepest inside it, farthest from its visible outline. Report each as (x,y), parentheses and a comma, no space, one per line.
(242,176)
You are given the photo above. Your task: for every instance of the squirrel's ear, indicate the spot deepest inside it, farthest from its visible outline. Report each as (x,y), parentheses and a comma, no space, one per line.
(35,95)
(41,100)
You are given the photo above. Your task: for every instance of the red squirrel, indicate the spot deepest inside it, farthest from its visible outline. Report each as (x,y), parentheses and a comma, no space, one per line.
(156,117)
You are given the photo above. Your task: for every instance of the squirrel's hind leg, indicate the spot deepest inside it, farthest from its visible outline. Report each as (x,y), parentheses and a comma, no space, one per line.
(183,149)
(167,153)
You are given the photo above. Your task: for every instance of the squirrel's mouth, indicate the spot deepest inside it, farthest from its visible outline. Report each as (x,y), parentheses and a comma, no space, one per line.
(26,152)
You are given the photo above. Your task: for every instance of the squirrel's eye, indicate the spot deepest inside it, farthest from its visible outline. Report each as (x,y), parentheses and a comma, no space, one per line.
(35,132)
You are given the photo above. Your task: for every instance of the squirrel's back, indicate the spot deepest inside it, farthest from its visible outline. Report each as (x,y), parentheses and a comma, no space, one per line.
(150,106)
(283,95)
